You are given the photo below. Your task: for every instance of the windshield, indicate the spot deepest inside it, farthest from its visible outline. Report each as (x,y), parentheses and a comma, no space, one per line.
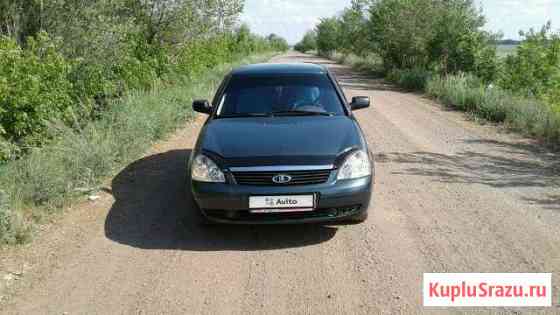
(263,95)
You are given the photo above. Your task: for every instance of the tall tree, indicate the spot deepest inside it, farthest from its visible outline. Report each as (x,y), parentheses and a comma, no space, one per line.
(401,30)
(458,39)
(352,31)
(328,35)
(309,42)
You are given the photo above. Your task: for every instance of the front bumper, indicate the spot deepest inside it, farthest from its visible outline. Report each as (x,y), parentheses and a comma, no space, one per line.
(335,201)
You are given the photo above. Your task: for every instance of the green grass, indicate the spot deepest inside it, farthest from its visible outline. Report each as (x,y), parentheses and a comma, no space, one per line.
(525,115)
(48,178)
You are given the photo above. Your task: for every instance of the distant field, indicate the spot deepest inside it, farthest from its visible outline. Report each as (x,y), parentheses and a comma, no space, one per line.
(505,50)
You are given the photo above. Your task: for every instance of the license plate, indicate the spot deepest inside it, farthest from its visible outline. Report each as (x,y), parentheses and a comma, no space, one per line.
(276,204)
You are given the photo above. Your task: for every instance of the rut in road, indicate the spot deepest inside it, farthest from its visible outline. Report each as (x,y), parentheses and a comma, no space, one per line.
(451,196)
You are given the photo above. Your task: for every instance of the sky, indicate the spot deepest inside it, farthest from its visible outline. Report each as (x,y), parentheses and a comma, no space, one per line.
(292,18)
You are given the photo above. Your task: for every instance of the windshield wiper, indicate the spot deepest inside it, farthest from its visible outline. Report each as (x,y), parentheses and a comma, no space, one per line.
(245,115)
(301,113)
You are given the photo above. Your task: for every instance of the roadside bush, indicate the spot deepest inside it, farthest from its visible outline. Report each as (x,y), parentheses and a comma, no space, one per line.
(410,79)
(535,69)
(139,64)
(370,63)
(69,65)
(34,86)
(94,85)
(196,57)
(39,86)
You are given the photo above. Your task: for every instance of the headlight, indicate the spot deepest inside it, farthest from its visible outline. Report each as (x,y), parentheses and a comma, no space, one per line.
(203,169)
(356,165)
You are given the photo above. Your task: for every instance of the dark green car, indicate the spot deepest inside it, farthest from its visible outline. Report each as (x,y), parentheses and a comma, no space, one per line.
(281,145)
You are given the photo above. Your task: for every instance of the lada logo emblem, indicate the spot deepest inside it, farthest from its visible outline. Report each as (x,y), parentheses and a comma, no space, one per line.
(282,179)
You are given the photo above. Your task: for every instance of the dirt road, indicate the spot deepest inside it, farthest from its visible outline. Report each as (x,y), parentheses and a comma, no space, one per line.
(452,196)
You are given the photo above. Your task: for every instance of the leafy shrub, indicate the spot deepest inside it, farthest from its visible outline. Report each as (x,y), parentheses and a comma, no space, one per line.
(410,79)
(139,65)
(39,86)
(34,86)
(371,63)
(94,84)
(535,69)
(196,57)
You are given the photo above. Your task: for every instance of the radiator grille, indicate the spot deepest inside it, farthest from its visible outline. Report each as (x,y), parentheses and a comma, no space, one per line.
(298,178)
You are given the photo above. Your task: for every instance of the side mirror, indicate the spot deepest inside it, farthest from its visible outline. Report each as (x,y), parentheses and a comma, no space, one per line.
(202,106)
(360,102)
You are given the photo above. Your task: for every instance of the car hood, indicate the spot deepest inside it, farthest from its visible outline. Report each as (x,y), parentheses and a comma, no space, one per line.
(301,140)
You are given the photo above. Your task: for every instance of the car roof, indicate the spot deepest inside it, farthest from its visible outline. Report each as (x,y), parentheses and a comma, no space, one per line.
(279,68)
